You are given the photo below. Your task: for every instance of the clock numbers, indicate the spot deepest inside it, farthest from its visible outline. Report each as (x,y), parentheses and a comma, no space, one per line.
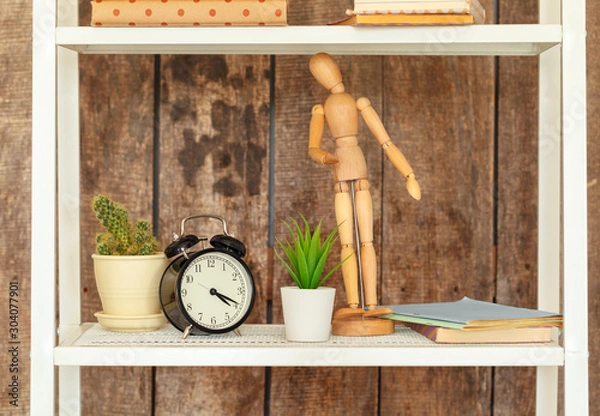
(214,292)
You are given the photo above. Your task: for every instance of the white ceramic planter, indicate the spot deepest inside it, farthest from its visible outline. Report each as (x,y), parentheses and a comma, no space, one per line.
(307,313)
(128,287)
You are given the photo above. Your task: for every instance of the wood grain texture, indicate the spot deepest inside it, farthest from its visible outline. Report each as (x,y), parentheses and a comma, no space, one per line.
(593,117)
(15,194)
(214,135)
(116,99)
(453,222)
(439,248)
(517,159)
(332,391)
(305,187)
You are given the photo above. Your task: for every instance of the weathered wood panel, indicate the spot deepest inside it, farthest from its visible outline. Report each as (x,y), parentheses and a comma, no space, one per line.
(15,194)
(593,116)
(440,248)
(214,135)
(510,395)
(116,159)
(517,177)
(307,188)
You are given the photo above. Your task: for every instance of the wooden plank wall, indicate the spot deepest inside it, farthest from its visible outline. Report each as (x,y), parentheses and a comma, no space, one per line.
(177,135)
(15,196)
(516,230)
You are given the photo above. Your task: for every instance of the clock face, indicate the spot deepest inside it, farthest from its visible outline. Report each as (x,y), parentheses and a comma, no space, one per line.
(215,291)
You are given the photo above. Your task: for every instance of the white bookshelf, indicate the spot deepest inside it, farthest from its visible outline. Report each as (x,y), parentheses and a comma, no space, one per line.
(57,42)
(297,40)
(265,345)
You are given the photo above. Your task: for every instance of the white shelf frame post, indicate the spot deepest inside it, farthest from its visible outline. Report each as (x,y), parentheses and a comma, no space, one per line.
(575,261)
(43,208)
(68,157)
(549,162)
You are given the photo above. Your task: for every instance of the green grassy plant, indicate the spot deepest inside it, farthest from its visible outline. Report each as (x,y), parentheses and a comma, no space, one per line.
(306,254)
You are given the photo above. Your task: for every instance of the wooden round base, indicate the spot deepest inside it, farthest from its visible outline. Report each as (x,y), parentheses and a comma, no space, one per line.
(359,327)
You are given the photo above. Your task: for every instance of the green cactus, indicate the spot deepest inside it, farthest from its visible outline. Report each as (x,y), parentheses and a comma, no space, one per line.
(121,237)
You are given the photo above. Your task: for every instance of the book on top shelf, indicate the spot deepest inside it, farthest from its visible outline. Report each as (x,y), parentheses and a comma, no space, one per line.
(422,6)
(525,335)
(399,19)
(189,13)
(471,7)
(472,315)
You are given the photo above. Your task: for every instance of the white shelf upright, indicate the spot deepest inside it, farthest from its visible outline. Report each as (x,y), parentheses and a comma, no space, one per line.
(549,197)
(43,203)
(559,41)
(575,250)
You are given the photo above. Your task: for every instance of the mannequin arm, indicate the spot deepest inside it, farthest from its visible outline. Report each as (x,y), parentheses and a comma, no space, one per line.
(391,150)
(317,123)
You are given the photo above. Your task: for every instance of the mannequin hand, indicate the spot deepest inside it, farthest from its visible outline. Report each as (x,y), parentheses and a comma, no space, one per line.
(412,186)
(322,156)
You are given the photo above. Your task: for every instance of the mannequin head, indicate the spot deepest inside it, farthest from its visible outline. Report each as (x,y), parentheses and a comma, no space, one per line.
(325,70)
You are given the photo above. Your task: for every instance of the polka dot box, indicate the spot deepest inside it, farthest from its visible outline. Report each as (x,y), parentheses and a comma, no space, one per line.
(189,12)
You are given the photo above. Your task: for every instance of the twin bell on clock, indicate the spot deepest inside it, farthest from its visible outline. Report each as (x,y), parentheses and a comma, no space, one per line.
(206,290)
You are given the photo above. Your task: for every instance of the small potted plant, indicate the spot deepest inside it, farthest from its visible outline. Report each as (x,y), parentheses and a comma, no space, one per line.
(128,269)
(308,306)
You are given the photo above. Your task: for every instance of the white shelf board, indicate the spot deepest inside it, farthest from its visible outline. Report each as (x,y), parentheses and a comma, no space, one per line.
(531,39)
(265,345)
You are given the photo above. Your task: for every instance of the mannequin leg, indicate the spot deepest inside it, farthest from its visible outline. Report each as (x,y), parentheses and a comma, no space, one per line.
(345,219)
(364,214)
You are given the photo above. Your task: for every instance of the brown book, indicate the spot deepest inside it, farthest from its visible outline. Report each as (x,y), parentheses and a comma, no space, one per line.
(401,19)
(523,335)
(189,13)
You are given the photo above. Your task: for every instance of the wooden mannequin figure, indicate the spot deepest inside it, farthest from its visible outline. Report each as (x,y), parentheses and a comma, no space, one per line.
(353,204)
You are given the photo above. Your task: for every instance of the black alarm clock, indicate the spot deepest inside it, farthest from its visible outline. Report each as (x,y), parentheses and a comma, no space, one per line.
(206,290)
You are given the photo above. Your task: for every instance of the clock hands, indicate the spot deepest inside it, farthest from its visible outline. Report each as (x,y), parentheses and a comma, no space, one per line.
(222,297)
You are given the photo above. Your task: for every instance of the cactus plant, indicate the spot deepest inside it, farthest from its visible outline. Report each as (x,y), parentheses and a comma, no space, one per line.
(121,236)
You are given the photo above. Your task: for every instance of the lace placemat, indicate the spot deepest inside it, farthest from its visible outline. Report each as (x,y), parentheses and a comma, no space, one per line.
(251,335)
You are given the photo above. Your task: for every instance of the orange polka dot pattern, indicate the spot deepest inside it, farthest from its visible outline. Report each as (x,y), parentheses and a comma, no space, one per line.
(189,12)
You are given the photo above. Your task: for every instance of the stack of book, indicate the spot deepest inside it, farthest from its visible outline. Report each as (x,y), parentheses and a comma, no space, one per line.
(189,12)
(414,12)
(469,321)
